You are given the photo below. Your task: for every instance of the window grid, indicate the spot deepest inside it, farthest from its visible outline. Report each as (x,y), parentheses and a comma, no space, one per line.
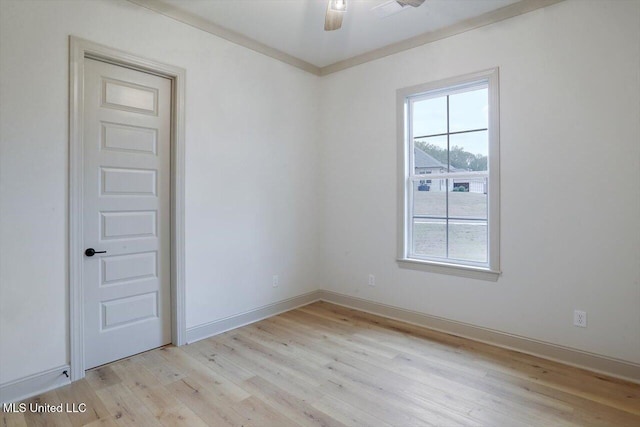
(482,175)
(414,178)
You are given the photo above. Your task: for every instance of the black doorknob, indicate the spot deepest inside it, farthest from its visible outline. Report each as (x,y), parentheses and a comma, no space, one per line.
(92,252)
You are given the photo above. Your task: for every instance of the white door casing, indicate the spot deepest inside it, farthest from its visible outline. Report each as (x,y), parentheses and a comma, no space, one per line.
(126,212)
(81,50)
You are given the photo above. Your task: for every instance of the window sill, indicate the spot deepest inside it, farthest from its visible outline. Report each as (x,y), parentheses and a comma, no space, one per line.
(450,269)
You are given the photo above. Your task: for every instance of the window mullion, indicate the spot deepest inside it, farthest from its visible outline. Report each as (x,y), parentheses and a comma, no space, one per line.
(450,133)
(409,185)
(447,183)
(452,175)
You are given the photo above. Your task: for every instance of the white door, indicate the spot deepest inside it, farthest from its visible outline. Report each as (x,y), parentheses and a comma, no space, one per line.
(126,210)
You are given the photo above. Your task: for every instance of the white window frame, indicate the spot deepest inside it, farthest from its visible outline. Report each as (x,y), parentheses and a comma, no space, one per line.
(406,177)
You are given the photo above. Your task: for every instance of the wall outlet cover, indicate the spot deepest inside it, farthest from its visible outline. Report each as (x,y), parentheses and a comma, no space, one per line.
(580,318)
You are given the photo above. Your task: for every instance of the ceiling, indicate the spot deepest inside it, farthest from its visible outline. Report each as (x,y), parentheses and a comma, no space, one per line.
(293,30)
(296,27)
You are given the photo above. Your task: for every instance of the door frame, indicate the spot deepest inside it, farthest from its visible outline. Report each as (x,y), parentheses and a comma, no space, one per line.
(79,50)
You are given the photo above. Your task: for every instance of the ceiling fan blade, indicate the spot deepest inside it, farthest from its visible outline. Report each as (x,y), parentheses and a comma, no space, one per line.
(333,18)
(414,3)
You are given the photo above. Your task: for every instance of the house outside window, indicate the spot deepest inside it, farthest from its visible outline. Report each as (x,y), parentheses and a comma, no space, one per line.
(449,177)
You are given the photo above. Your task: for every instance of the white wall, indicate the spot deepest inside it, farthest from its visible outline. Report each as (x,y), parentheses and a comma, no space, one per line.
(570,91)
(250,159)
(570,163)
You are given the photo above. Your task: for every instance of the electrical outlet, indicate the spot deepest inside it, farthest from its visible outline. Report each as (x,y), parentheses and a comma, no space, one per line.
(276,281)
(372,280)
(580,318)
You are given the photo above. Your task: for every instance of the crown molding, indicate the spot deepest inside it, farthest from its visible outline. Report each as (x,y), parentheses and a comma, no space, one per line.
(515,9)
(229,35)
(510,11)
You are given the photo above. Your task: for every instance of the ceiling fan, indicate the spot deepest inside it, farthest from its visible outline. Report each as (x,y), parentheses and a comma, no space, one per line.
(337,8)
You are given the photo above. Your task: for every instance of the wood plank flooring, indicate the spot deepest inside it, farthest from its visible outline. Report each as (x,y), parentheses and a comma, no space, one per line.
(326,365)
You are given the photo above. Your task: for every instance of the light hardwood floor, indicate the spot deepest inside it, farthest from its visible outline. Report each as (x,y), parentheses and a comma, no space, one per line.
(326,365)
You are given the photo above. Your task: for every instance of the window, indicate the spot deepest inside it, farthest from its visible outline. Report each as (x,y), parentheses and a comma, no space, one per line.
(449,130)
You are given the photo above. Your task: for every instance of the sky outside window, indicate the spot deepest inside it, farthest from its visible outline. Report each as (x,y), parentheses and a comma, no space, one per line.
(467,111)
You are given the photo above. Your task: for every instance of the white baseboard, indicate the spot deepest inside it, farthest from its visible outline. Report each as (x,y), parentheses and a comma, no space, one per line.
(32,385)
(570,356)
(216,327)
(44,381)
